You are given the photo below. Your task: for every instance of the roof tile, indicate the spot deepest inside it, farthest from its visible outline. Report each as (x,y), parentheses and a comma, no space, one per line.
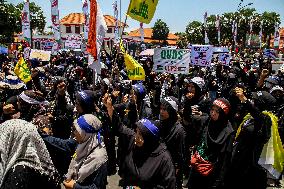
(79,18)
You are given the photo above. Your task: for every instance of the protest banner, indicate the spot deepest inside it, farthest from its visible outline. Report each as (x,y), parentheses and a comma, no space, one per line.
(40,54)
(73,44)
(223,55)
(174,61)
(201,55)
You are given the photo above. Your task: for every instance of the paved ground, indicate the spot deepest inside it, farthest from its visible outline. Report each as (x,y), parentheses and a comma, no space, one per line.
(113,183)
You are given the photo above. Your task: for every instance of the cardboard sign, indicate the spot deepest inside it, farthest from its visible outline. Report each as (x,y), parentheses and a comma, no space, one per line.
(175,61)
(223,55)
(40,54)
(201,55)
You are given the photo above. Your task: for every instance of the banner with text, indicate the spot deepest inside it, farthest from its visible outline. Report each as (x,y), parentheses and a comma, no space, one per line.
(201,55)
(26,30)
(174,61)
(40,54)
(223,55)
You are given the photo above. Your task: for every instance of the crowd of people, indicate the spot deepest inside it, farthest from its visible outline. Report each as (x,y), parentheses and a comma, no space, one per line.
(205,129)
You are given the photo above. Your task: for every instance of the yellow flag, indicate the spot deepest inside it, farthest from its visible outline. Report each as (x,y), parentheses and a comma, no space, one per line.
(134,70)
(142,10)
(122,49)
(22,70)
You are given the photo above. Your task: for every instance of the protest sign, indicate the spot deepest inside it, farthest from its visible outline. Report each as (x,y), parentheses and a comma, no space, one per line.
(201,55)
(174,61)
(73,44)
(40,54)
(223,55)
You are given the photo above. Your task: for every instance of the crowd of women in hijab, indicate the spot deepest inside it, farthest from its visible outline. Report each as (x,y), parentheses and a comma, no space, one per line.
(216,127)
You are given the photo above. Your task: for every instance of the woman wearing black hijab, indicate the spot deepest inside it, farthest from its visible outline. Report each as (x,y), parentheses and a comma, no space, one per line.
(212,156)
(145,161)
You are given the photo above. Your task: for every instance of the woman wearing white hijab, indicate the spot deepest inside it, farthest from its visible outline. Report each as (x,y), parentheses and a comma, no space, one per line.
(24,160)
(89,167)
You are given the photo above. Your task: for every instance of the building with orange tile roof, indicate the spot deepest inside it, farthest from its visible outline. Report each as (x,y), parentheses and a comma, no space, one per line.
(72,27)
(148,32)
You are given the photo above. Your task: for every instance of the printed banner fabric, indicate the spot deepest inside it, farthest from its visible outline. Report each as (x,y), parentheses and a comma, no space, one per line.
(26,22)
(85,10)
(55,19)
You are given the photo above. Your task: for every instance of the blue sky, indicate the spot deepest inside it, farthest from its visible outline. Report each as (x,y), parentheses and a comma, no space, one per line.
(176,13)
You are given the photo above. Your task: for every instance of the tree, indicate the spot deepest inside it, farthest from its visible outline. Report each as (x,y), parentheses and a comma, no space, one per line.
(194,32)
(36,16)
(182,41)
(269,21)
(211,30)
(160,31)
(10,21)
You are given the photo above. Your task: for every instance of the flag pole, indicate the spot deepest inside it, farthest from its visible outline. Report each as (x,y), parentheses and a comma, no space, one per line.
(115,64)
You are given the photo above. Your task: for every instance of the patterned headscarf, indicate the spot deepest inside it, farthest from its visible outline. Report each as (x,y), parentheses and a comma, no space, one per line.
(20,144)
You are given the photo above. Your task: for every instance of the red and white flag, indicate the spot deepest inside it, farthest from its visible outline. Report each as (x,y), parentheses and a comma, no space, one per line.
(55,24)
(26,26)
(97,30)
(85,10)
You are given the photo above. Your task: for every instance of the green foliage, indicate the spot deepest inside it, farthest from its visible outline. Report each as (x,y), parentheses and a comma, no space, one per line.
(160,31)
(10,21)
(194,32)
(182,41)
(36,16)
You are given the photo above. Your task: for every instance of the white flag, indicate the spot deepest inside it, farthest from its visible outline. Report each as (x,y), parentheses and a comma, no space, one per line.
(218,27)
(276,36)
(250,31)
(85,10)
(141,31)
(260,35)
(26,26)
(55,21)
(205,26)
(116,32)
(235,32)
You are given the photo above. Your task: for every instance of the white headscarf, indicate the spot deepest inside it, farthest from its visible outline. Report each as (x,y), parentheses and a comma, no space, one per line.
(20,144)
(90,154)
